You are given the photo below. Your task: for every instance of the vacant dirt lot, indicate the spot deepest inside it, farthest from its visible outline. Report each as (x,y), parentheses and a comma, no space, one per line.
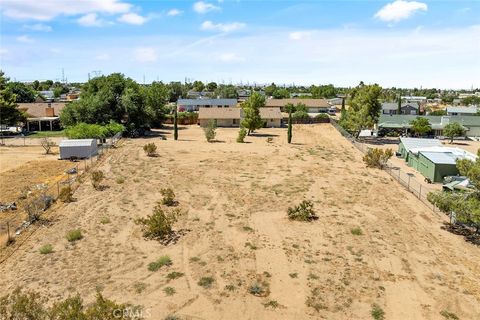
(234,199)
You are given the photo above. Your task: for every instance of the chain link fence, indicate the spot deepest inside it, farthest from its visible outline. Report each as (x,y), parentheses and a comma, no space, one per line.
(406,179)
(34,202)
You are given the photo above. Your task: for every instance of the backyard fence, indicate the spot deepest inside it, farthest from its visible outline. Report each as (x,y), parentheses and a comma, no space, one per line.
(34,202)
(406,179)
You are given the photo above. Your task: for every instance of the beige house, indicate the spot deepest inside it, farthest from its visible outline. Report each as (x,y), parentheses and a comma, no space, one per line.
(42,116)
(232,117)
(313,105)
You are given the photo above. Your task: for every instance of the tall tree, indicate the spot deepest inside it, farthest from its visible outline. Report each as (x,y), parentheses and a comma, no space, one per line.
(289,131)
(156,100)
(211,86)
(198,86)
(9,112)
(251,110)
(399,106)
(175,124)
(343,112)
(22,92)
(420,126)
(453,130)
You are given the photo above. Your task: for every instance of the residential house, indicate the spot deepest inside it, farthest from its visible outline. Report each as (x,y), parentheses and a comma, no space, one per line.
(196,104)
(42,116)
(48,95)
(462,111)
(406,108)
(232,117)
(417,99)
(402,122)
(313,105)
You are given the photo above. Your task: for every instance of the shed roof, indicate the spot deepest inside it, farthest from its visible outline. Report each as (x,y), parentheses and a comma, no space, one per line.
(311,103)
(207,102)
(412,143)
(440,157)
(403,121)
(76,143)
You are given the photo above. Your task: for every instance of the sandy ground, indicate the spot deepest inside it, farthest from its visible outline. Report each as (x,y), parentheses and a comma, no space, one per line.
(234,199)
(12,157)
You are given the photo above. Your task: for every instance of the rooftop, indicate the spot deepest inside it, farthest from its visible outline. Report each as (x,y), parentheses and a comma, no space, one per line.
(395,121)
(76,142)
(207,102)
(471,110)
(394,105)
(313,103)
(37,110)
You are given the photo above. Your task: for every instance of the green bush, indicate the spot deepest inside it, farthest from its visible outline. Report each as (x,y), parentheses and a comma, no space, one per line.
(377,158)
(168,197)
(206,282)
(93,131)
(66,194)
(160,262)
(322,116)
(97,178)
(46,249)
(241,135)
(74,235)
(356,231)
(150,149)
(158,225)
(210,130)
(377,312)
(169,291)
(174,275)
(303,212)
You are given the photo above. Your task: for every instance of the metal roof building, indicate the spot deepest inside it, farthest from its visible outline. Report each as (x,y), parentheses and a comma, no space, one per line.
(78,148)
(406,144)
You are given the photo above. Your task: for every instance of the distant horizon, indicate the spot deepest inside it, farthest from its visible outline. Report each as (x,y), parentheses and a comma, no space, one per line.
(396,43)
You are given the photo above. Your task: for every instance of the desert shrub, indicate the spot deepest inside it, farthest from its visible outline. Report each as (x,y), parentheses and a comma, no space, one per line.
(30,305)
(356,231)
(272,304)
(303,212)
(23,305)
(258,289)
(97,178)
(159,224)
(174,275)
(120,180)
(322,116)
(206,282)
(210,130)
(168,197)
(105,220)
(160,262)
(230,287)
(377,312)
(66,194)
(377,158)
(74,235)
(169,291)
(47,145)
(241,135)
(150,149)
(449,315)
(46,249)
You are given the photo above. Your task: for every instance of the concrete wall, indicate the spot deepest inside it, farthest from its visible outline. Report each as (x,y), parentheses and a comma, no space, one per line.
(221,122)
(276,123)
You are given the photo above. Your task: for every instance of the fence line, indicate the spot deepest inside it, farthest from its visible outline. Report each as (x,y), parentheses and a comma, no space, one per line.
(404,178)
(35,202)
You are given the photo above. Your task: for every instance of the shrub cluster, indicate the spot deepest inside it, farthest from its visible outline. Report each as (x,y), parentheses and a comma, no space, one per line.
(210,130)
(377,158)
(159,224)
(66,194)
(168,197)
(150,149)
(93,131)
(241,135)
(31,305)
(303,212)
(97,178)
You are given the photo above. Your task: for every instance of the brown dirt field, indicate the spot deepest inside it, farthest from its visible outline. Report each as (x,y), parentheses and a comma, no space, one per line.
(234,199)
(12,157)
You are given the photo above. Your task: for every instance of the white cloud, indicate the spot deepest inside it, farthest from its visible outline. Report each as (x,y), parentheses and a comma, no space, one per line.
(38,27)
(231,57)
(400,10)
(204,7)
(174,12)
(145,54)
(3,52)
(25,39)
(90,20)
(223,27)
(300,35)
(132,18)
(103,57)
(47,10)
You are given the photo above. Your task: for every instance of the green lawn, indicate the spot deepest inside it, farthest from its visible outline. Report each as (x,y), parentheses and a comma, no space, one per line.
(43,134)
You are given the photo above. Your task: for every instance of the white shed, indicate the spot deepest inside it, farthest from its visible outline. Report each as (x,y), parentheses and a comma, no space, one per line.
(78,148)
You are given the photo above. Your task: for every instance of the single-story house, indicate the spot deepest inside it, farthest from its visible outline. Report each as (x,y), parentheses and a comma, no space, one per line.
(435,163)
(42,116)
(407,144)
(402,122)
(196,104)
(406,108)
(418,99)
(462,111)
(313,105)
(232,117)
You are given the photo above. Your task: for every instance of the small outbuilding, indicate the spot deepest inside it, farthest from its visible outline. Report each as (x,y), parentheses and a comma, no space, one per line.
(406,144)
(78,148)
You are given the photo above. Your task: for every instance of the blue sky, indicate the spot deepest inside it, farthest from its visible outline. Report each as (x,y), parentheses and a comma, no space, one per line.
(394,43)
